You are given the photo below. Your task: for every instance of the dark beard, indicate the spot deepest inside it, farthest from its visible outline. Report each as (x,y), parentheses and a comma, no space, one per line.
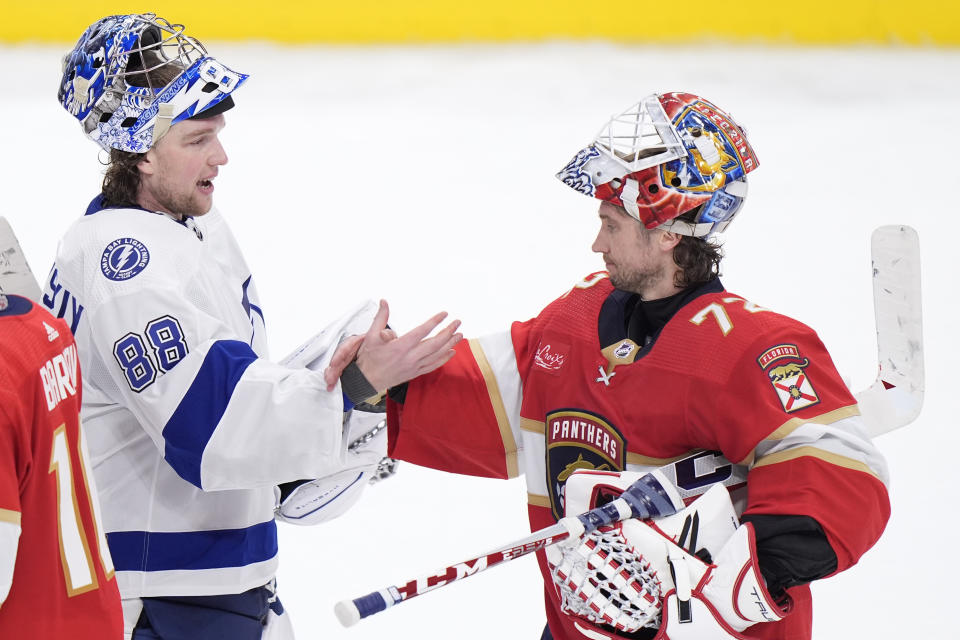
(637,281)
(181,205)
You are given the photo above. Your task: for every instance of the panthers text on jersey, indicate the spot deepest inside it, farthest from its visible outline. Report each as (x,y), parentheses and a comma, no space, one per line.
(567,390)
(63,583)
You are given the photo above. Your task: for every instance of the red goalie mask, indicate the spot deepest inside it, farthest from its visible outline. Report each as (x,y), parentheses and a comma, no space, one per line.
(664,156)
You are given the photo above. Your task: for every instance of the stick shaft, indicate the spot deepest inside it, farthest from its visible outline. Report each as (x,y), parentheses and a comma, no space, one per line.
(650,496)
(384,598)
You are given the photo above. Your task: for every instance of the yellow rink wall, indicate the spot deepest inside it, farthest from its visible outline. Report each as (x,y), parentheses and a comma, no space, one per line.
(820,22)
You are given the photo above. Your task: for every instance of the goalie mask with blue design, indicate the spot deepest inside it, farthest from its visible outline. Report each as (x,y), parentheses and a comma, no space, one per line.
(131,77)
(668,155)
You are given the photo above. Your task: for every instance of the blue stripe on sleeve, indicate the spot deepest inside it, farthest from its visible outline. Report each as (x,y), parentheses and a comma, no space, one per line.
(192,424)
(218,549)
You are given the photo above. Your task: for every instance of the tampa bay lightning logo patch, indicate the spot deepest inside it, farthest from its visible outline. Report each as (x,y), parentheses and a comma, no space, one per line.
(124,258)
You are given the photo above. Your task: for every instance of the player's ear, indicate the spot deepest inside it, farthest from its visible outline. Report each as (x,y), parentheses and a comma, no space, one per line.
(668,240)
(146,165)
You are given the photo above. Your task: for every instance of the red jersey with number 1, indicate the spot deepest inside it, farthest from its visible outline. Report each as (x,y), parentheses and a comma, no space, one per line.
(63,580)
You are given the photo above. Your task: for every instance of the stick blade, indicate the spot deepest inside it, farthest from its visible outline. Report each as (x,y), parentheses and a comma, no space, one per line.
(15,274)
(894,400)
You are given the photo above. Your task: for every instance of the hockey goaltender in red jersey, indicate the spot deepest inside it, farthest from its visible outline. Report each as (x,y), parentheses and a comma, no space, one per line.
(56,575)
(650,361)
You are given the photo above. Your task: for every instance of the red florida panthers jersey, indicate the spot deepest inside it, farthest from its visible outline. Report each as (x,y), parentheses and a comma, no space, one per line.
(567,390)
(63,584)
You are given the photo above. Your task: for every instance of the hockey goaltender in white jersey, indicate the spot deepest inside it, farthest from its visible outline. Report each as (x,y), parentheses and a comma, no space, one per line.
(190,427)
(174,359)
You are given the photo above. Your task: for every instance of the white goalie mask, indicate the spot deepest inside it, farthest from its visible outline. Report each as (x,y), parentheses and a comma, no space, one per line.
(110,81)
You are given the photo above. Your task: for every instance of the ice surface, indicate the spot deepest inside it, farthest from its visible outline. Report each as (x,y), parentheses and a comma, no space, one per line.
(425,175)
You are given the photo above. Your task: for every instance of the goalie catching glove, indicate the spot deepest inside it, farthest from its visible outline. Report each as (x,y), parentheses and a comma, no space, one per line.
(308,502)
(690,576)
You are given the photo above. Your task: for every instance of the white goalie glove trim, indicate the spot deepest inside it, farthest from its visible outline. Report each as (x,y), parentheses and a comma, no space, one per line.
(315,353)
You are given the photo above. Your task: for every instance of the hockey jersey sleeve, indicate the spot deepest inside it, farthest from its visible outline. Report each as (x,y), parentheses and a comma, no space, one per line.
(465,416)
(170,339)
(12,462)
(225,418)
(785,412)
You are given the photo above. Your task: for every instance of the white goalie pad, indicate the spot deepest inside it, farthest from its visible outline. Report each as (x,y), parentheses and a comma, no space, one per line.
(619,576)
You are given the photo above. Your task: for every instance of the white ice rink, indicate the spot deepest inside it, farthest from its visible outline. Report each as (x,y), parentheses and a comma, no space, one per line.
(425,175)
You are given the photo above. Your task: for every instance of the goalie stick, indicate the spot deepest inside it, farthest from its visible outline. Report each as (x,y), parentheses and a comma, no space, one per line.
(15,274)
(892,401)
(652,496)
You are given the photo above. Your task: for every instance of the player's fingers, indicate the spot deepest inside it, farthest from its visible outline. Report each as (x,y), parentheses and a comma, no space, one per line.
(441,348)
(380,320)
(420,332)
(452,341)
(435,362)
(448,346)
(344,355)
(439,342)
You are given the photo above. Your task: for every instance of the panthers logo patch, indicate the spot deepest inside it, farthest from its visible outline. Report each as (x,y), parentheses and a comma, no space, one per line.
(577,439)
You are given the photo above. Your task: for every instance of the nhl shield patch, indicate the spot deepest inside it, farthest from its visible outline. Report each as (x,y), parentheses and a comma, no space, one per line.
(578,439)
(786,369)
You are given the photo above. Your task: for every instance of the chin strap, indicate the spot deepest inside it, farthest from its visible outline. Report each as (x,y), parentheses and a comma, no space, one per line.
(162,125)
(684,228)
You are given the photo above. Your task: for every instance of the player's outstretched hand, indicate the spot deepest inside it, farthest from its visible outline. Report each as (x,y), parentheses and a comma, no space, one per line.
(387,360)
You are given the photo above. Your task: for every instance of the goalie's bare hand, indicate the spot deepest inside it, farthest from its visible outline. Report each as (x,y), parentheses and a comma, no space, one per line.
(344,355)
(387,360)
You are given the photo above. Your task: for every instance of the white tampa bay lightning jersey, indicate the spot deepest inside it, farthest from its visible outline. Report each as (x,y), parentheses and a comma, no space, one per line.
(189,425)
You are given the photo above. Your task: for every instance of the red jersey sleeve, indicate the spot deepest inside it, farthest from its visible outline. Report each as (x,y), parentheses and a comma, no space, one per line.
(465,416)
(786,413)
